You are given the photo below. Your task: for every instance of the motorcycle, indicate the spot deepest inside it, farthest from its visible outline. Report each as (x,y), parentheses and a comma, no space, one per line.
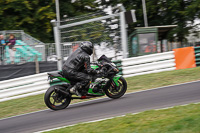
(107,83)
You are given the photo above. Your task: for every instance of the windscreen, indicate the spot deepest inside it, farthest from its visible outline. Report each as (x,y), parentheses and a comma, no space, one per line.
(104,58)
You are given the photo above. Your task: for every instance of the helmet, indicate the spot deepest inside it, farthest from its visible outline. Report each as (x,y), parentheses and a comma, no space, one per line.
(87,46)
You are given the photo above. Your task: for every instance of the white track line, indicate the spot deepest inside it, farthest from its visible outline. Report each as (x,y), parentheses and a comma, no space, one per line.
(162,87)
(105,98)
(78,123)
(109,118)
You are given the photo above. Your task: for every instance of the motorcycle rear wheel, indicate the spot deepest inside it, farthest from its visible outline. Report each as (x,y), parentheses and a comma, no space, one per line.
(55,100)
(117,92)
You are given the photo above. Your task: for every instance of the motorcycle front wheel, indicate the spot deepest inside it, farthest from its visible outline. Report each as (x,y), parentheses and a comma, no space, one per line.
(56,100)
(117,91)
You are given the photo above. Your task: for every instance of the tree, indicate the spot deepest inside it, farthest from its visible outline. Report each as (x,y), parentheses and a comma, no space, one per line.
(31,16)
(34,16)
(163,12)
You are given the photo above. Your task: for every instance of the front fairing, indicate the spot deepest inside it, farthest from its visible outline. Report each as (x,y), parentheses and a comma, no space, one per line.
(116,78)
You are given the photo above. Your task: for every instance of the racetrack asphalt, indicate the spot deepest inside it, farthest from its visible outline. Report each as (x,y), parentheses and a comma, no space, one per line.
(103,108)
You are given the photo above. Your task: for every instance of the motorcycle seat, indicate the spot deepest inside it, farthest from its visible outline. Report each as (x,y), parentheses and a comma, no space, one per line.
(55,74)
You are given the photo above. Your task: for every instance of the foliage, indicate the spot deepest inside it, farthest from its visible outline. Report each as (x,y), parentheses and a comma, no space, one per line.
(31,16)
(76,8)
(179,119)
(163,12)
(34,16)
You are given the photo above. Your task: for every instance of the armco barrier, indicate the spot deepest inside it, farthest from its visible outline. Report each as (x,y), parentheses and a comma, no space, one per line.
(37,84)
(24,86)
(147,58)
(148,64)
(22,80)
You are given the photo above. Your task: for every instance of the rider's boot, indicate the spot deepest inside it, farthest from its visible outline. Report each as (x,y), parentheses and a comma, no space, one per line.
(74,89)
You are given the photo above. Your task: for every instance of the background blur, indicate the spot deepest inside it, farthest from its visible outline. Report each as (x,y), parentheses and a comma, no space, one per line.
(171,24)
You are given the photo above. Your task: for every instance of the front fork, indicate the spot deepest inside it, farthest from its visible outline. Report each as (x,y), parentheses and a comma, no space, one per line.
(115,80)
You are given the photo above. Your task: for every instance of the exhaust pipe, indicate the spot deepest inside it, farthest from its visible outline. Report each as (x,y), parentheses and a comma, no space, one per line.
(64,92)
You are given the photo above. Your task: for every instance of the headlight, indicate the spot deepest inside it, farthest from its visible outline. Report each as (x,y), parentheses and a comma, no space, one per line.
(113,64)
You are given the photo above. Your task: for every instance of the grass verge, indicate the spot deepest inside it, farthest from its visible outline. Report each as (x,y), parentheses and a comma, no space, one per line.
(180,119)
(142,82)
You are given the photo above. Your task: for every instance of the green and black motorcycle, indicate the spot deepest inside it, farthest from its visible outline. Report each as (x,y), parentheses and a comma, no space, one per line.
(108,83)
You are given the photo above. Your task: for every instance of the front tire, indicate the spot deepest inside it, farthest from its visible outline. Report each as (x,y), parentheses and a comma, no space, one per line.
(55,100)
(117,92)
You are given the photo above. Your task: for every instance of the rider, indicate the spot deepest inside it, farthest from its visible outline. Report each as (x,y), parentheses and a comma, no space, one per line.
(77,67)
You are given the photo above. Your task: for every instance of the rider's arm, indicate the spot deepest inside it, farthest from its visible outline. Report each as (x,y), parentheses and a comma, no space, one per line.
(88,67)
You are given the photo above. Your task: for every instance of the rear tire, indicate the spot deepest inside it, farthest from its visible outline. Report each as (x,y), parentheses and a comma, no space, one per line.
(56,100)
(112,93)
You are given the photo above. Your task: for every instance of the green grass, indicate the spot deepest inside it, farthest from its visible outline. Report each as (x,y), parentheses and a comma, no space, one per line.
(154,80)
(180,119)
(142,82)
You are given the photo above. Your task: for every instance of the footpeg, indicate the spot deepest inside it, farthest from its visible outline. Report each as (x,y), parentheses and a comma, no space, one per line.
(74,90)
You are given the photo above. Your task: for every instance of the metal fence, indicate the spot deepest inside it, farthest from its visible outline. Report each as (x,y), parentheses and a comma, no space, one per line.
(29,49)
(21,35)
(18,55)
(107,29)
(102,33)
(30,53)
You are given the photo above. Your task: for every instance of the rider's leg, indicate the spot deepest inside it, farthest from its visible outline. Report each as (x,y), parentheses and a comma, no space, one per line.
(83,80)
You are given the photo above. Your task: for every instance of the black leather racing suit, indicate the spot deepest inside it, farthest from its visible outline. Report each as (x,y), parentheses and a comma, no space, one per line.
(77,68)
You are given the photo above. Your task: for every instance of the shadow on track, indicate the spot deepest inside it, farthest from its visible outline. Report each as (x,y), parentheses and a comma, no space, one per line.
(89,103)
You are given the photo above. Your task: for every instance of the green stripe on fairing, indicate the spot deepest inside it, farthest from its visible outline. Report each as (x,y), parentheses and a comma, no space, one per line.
(94,66)
(120,69)
(118,64)
(91,92)
(63,79)
(58,81)
(116,78)
(117,61)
